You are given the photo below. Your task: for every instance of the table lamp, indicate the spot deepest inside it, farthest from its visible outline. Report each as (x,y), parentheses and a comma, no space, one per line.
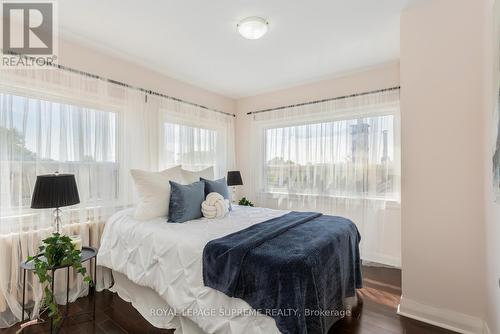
(233,180)
(53,191)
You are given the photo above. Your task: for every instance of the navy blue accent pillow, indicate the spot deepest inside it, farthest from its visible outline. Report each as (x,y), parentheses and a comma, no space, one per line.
(217,186)
(185,201)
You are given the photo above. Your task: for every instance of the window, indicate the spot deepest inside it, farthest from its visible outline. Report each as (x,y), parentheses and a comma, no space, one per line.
(192,147)
(40,137)
(339,158)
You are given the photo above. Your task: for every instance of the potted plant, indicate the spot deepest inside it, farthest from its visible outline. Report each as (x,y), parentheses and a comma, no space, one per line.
(57,250)
(245,202)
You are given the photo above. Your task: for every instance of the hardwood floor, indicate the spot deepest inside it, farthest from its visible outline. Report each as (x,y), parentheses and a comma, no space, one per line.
(376,315)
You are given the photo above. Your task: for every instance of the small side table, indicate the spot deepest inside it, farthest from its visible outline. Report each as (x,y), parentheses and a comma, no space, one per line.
(87,254)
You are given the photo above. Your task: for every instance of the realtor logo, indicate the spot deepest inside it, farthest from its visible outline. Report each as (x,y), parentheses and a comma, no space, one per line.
(27,28)
(28,33)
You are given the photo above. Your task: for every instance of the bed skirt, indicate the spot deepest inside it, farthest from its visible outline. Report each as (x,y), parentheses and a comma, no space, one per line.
(156,310)
(151,306)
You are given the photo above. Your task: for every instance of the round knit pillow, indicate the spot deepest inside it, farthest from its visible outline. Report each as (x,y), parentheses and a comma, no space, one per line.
(214,206)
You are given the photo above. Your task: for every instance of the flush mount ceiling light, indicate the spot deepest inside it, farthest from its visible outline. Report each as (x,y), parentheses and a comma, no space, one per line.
(253,27)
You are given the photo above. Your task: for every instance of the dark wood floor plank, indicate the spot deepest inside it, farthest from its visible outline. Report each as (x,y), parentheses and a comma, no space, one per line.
(376,314)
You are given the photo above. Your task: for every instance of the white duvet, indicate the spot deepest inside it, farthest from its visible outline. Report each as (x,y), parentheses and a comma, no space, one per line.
(167,258)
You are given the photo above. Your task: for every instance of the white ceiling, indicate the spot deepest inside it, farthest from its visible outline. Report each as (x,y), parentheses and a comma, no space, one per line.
(196,40)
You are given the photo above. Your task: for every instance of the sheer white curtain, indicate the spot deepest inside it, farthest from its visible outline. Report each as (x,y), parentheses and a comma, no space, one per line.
(195,137)
(339,157)
(52,120)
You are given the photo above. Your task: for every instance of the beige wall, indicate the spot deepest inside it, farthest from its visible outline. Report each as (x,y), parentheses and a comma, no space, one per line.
(386,75)
(88,59)
(370,79)
(492,209)
(442,107)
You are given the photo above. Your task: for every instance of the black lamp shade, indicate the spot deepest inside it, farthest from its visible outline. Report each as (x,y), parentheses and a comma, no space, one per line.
(234,178)
(54,191)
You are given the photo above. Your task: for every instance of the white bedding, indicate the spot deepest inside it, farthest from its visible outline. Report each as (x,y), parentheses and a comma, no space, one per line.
(167,258)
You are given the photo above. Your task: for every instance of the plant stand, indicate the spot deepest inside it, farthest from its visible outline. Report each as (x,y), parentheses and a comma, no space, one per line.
(87,254)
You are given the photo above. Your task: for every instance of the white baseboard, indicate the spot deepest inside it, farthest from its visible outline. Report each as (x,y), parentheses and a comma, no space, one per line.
(382,259)
(451,320)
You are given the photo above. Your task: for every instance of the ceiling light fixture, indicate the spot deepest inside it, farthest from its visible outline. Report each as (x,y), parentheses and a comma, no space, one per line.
(253,27)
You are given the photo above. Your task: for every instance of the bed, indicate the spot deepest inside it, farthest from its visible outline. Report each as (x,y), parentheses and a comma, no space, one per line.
(158,267)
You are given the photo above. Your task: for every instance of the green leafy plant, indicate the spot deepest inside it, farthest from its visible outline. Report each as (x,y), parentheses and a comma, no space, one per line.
(245,202)
(57,250)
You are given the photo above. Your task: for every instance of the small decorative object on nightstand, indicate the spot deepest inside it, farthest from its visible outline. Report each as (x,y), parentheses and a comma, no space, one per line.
(245,202)
(233,180)
(53,191)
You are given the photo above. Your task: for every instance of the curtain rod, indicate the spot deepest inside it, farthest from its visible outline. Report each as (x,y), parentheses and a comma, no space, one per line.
(324,100)
(124,84)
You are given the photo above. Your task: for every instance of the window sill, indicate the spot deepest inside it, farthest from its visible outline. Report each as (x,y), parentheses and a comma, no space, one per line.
(388,200)
(26,212)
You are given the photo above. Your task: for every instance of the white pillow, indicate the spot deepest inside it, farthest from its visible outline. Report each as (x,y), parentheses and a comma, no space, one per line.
(190,176)
(153,190)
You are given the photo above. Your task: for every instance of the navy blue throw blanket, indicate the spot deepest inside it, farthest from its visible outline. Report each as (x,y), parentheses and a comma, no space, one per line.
(297,268)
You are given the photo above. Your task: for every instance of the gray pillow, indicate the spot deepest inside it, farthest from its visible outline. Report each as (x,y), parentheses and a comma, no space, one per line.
(217,186)
(185,201)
